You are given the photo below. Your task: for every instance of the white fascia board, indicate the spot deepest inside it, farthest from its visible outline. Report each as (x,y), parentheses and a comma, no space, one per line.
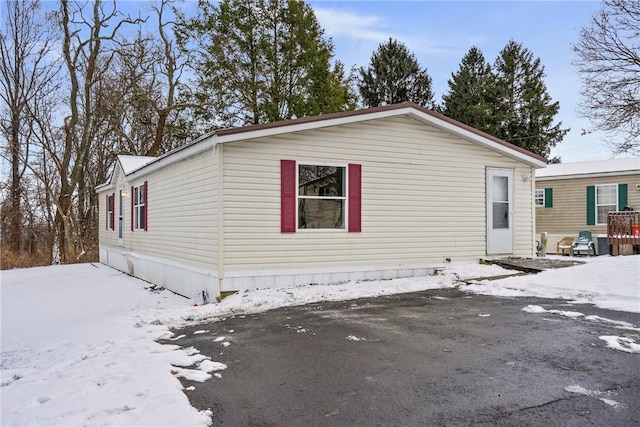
(109,183)
(586,175)
(176,156)
(130,164)
(434,121)
(103,187)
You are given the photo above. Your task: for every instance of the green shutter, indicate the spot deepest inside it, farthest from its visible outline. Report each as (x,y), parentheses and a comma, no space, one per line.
(591,205)
(622,196)
(548,197)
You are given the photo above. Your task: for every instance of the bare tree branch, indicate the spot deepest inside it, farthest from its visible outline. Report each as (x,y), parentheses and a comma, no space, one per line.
(609,65)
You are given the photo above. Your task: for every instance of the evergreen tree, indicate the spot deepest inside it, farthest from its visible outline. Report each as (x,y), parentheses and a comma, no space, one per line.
(394,75)
(472,95)
(525,111)
(260,61)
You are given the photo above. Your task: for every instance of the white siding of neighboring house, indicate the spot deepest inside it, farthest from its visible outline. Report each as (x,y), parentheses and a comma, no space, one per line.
(180,248)
(423,199)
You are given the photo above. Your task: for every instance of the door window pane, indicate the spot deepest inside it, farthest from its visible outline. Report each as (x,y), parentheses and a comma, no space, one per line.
(500,189)
(500,215)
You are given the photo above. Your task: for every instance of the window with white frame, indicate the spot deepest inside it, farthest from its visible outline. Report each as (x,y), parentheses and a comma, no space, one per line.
(539,197)
(139,208)
(110,211)
(606,201)
(321,196)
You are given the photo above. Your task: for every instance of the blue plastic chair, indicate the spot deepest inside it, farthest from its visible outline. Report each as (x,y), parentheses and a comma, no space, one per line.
(583,244)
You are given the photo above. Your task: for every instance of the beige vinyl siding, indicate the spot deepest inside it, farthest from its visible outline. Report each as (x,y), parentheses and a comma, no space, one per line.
(569,212)
(182,213)
(423,198)
(108,237)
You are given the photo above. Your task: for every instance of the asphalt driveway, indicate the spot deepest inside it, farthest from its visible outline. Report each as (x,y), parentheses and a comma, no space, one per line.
(439,357)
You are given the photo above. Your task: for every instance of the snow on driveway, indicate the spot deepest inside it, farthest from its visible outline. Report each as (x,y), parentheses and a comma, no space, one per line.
(78,341)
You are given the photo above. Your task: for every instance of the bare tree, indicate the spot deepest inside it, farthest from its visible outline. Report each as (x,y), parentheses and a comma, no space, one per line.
(609,66)
(171,65)
(87,51)
(143,85)
(70,104)
(28,74)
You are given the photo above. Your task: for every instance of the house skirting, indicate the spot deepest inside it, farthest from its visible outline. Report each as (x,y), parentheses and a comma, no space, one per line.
(191,281)
(252,279)
(180,278)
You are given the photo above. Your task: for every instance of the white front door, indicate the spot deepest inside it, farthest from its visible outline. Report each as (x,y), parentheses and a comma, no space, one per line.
(499,211)
(120,218)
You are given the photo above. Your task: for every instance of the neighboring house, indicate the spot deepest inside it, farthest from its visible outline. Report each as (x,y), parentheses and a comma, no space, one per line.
(571,197)
(371,194)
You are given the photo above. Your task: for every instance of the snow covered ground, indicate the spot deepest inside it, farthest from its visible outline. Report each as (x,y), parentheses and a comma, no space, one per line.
(78,341)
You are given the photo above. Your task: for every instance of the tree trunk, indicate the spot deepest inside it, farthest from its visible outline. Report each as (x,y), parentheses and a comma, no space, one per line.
(15,218)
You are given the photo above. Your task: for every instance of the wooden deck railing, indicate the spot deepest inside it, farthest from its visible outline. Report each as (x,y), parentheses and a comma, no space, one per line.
(623,228)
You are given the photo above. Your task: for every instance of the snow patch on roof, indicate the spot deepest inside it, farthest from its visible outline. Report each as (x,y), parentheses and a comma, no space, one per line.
(132,163)
(594,167)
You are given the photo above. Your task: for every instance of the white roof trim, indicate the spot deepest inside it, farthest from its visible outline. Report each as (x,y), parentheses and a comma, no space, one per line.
(181,153)
(586,175)
(409,111)
(104,186)
(130,164)
(625,166)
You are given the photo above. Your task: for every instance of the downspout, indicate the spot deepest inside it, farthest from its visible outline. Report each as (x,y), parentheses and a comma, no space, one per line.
(218,150)
(532,208)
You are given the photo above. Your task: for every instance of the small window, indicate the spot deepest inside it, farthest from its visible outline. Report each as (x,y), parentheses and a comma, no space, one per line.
(321,197)
(606,201)
(138,208)
(539,198)
(110,211)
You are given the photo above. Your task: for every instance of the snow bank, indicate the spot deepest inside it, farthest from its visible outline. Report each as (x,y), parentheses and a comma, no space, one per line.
(606,281)
(74,351)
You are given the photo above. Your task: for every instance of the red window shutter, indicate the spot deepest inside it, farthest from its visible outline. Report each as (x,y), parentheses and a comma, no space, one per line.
(355,198)
(106,217)
(146,205)
(287,196)
(132,194)
(113,211)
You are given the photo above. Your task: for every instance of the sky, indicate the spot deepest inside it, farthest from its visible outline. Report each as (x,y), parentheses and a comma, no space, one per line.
(78,342)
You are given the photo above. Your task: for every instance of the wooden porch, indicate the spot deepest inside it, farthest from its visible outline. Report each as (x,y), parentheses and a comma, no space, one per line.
(623,228)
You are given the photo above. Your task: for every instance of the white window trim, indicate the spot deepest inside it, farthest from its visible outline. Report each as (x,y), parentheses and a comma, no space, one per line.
(120,228)
(345,227)
(535,198)
(110,211)
(137,206)
(596,201)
